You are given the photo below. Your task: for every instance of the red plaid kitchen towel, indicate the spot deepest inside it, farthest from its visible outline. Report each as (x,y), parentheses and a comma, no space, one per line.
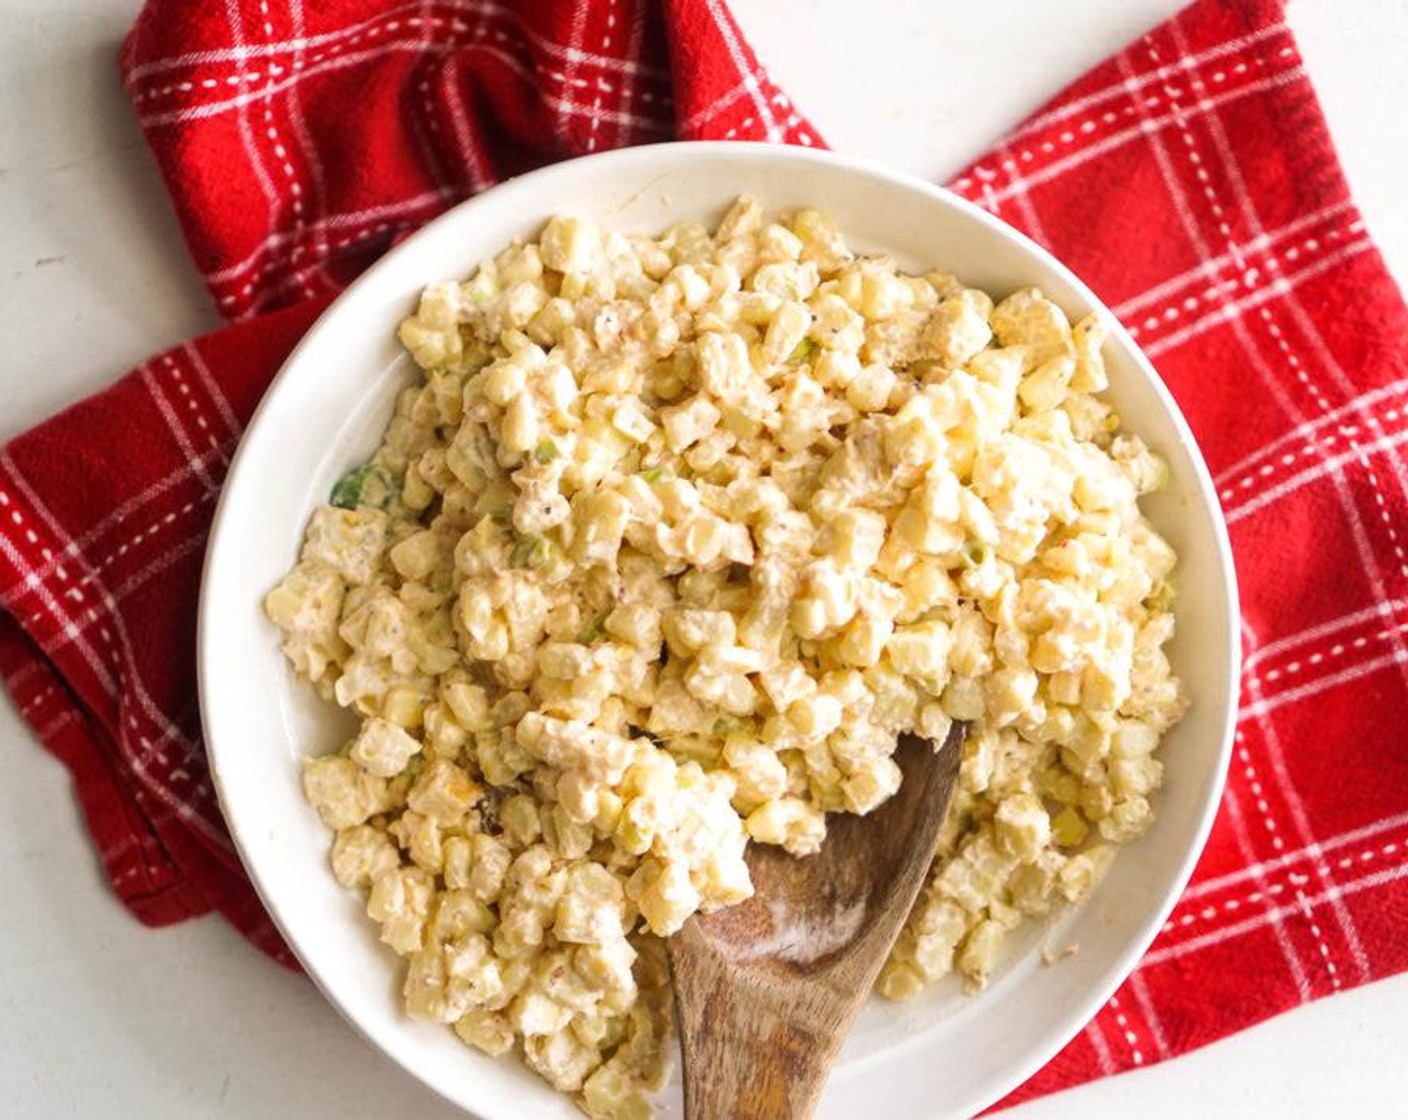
(298,143)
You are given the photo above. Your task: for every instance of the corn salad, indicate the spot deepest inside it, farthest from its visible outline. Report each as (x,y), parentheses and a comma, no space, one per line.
(668,543)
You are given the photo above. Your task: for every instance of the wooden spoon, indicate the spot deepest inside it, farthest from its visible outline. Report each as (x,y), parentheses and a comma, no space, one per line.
(767,990)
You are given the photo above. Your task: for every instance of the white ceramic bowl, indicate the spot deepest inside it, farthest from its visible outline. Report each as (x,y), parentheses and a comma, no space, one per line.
(941,1054)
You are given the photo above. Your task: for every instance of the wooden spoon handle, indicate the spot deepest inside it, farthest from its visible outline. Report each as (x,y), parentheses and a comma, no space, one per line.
(747,1054)
(767,990)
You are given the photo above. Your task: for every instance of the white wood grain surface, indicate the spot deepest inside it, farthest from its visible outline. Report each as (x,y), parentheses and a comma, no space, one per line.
(100,1017)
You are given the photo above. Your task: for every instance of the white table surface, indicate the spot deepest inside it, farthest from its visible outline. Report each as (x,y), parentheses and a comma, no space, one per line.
(101,1017)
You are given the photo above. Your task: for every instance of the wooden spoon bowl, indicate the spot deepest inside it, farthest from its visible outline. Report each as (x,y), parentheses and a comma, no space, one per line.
(767,990)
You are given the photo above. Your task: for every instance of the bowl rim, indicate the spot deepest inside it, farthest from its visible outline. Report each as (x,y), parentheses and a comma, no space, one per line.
(1121,967)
